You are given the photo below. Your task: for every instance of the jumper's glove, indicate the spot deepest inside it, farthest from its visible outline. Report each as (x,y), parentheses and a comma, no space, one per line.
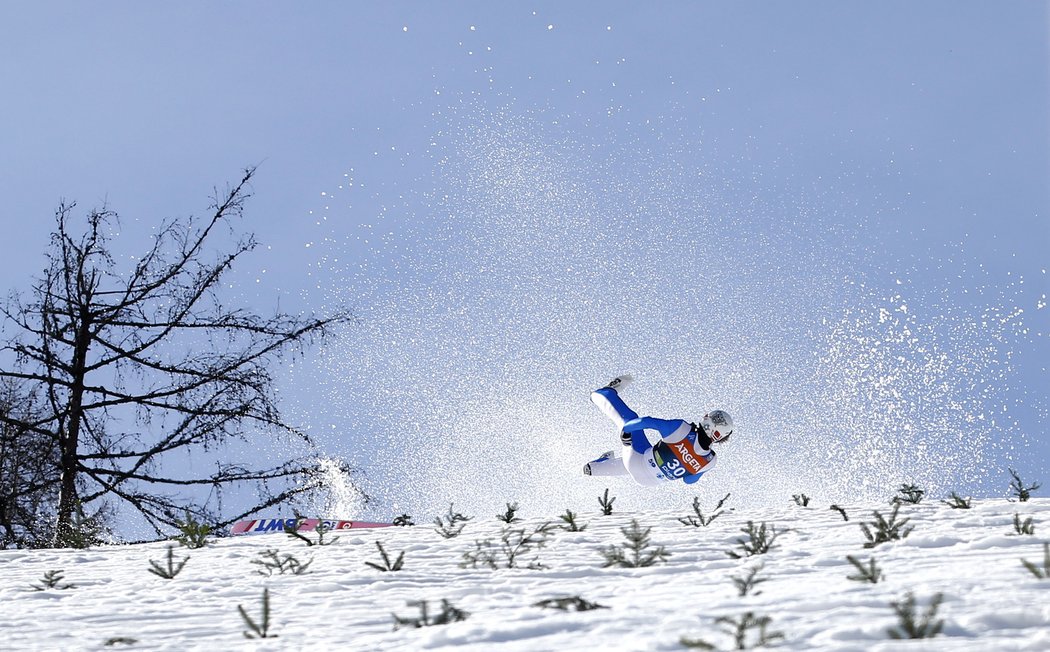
(625,438)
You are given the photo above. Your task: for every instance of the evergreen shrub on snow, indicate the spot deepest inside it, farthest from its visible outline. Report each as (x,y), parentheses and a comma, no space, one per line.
(955,501)
(452,524)
(192,533)
(273,561)
(573,603)
(52,580)
(909,493)
(387,565)
(84,530)
(759,540)
(606,503)
(570,522)
(321,530)
(120,640)
(700,520)
(171,569)
(1023,527)
(1019,490)
(259,629)
(909,626)
(448,614)
(509,516)
(1040,573)
(870,573)
(841,511)
(745,585)
(740,629)
(514,544)
(882,530)
(635,553)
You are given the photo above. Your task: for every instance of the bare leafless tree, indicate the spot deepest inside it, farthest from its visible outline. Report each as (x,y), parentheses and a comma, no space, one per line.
(135,365)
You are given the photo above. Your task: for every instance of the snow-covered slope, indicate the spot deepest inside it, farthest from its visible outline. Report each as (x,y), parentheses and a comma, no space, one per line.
(973,557)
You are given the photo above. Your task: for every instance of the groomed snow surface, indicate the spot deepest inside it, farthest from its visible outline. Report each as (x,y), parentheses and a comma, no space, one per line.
(971,556)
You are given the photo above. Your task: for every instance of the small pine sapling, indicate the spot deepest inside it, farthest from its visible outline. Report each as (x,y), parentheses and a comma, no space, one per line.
(870,573)
(272,561)
(574,603)
(192,533)
(293,532)
(403,521)
(739,630)
(120,640)
(746,585)
(841,511)
(955,501)
(452,524)
(321,529)
(606,503)
(514,544)
(448,614)
(52,580)
(171,569)
(909,493)
(387,566)
(1026,526)
(259,629)
(84,530)
(569,517)
(802,500)
(1040,573)
(909,627)
(510,516)
(885,530)
(746,623)
(1018,489)
(700,520)
(695,643)
(637,546)
(759,541)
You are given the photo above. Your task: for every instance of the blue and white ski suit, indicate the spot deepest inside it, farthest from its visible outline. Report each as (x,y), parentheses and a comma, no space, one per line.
(683,452)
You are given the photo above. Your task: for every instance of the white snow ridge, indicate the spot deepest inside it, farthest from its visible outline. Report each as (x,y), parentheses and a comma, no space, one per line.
(970,560)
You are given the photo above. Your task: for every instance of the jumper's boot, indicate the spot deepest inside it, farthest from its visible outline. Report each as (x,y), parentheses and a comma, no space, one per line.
(619,382)
(609,402)
(606,464)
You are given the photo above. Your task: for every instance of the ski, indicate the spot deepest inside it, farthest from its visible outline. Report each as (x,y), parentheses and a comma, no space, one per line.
(267,525)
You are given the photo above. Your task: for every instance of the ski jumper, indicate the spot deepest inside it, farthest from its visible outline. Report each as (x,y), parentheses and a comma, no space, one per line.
(683,452)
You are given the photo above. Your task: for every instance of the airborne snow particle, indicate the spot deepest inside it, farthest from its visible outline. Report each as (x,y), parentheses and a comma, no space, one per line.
(512,206)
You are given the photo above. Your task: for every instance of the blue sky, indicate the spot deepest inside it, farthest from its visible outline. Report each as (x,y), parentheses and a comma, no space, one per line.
(884,147)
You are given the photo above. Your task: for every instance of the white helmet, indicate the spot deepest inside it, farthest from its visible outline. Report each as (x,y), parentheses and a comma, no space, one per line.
(718,425)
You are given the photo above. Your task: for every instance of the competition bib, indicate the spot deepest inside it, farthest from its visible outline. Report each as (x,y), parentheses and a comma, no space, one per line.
(680,459)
